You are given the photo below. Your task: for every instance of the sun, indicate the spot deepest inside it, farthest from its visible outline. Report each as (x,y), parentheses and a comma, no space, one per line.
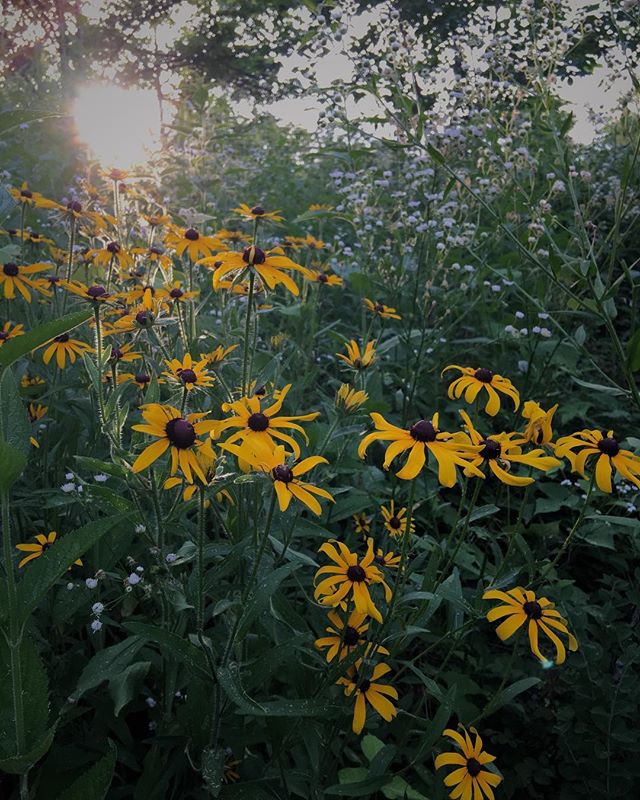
(120,126)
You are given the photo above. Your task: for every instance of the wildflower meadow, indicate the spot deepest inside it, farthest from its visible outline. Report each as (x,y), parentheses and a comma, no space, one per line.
(319,436)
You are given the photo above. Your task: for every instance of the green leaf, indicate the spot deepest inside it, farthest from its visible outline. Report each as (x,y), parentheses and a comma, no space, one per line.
(213,769)
(633,351)
(511,692)
(259,599)
(35,707)
(399,789)
(306,707)
(97,466)
(14,431)
(598,387)
(125,686)
(95,782)
(107,665)
(16,348)
(231,683)
(41,574)
(181,649)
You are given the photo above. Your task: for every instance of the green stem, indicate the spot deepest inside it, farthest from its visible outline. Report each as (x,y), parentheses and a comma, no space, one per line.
(15,630)
(72,242)
(463,535)
(200,563)
(247,334)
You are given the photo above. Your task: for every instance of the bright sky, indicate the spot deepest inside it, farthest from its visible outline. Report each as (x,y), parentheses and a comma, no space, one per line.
(598,92)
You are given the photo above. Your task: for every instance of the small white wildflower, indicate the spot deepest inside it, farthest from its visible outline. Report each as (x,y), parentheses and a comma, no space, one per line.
(151,702)
(91,583)
(523,366)
(96,625)
(139,569)
(519,315)
(140,528)
(70,586)
(69,476)
(67,487)
(170,558)
(101,478)
(97,609)
(545,332)
(133,579)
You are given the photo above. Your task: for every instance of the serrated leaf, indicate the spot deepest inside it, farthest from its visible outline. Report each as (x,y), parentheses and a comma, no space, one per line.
(107,664)
(16,348)
(41,574)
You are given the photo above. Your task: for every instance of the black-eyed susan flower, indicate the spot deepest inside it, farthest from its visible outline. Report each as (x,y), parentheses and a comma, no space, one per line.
(395,520)
(257,212)
(473,381)
(190,241)
(610,456)
(538,429)
(471,780)
(176,433)
(188,373)
(271,266)
(26,196)
(521,606)
(14,276)
(380,310)
(63,347)
(422,438)
(206,456)
(113,254)
(501,451)
(219,353)
(324,278)
(76,211)
(95,293)
(175,293)
(319,207)
(261,428)
(36,411)
(350,576)
(371,691)
(124,353)
(362,523)
(357,359)
(344,635)
(39,547)
(141,379)
(350,399)
(32,383)
(10,331)
(389,560)
(157,219)
(285,476)
(230,772)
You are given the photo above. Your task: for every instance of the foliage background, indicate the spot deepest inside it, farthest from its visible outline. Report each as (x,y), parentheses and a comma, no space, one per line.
(568,253)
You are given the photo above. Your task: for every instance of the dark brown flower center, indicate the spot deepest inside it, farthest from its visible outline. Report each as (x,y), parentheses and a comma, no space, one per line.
(532,609)
(191,234)
(609,446)
(254,255)
(423,431)
(3,336)
(144,318)
(260,391)
(188,376)
(180,432)
(365,685)
(45,546)
(116,353)
(322,278)
(53,279)
(484,375)
(283,473)
(156,251)
(356,573)
(473,767)
(258,422)
(11,270)
(97,291)
(394,523)
(490,449)
(113,247)
(176,293)
(142,378)
(378,308)
(351,636)
(257,211)
(74,205)
(64,337)
(26,193)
